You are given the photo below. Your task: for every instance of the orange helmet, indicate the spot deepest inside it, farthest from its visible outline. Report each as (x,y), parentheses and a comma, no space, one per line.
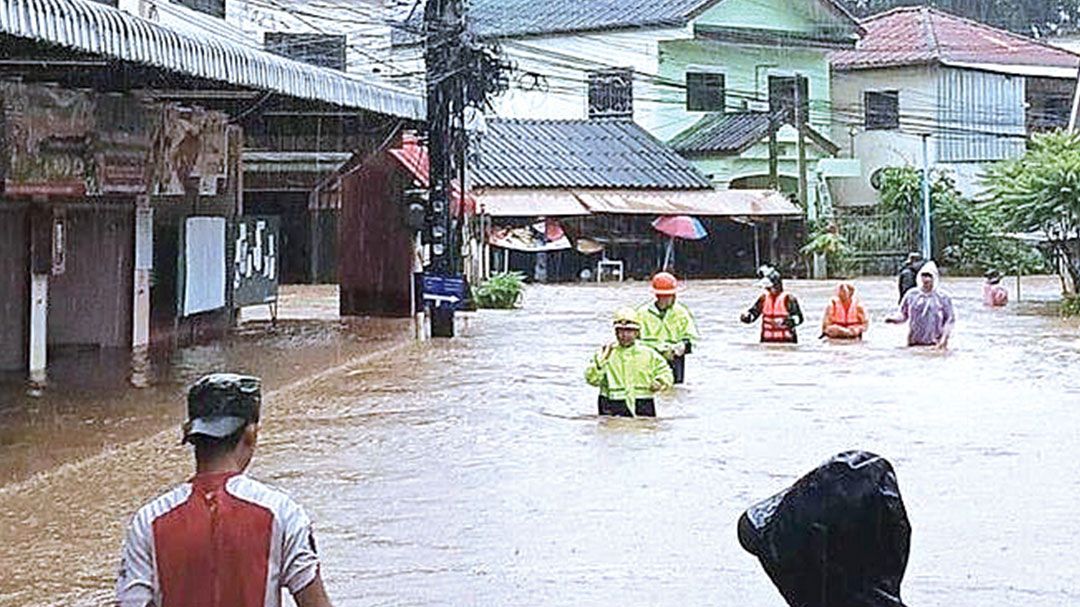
(664,284)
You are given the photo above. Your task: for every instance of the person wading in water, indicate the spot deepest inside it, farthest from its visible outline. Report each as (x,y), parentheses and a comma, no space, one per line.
(779,311)
(222,539)
(667,325)
(628,373)
(927,310)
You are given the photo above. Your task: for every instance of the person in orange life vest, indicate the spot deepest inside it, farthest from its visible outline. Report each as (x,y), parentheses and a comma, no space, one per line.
(222,539)
(779,310)
(994,294)
(845,317)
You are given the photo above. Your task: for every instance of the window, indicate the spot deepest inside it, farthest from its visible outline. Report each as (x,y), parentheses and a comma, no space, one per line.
(882,110)
(704,92)
(214,8)
(611,93)
(324,50)
(785,92)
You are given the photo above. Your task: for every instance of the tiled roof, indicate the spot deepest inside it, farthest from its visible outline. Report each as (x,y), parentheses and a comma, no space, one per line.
(513,18)
(722,133)
(581,154)
(922,35)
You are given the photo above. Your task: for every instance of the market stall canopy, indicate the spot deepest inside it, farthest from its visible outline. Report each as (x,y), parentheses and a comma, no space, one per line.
(542,236)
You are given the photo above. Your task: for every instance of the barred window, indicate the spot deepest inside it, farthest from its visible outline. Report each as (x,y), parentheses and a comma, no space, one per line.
(611,93)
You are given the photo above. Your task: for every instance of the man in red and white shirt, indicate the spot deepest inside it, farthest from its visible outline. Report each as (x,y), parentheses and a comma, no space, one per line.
(222,539)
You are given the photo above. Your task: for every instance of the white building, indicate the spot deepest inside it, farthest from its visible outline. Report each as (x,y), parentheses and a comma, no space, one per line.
(974,92)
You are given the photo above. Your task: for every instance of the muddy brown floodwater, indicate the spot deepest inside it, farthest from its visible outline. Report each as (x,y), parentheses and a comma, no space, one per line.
(473,472)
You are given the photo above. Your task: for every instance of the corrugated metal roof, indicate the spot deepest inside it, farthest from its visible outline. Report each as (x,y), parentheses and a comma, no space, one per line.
(514,18)
(722,133)
(102,30)
(526,17)
(579,153)
(921,35)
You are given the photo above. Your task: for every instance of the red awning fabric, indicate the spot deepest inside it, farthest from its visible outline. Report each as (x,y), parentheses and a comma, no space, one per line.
(414,157)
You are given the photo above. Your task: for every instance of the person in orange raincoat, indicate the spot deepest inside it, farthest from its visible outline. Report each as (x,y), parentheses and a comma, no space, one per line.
(845,317)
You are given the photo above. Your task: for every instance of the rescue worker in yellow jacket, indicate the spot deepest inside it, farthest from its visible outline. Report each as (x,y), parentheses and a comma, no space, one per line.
(778,309)
(667,325)
(628,373)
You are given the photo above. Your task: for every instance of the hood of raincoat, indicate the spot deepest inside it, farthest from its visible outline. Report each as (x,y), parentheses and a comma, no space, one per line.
(845,292)
(930,268)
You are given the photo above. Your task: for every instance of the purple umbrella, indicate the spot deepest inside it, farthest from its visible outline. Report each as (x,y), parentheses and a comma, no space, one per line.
(678,226)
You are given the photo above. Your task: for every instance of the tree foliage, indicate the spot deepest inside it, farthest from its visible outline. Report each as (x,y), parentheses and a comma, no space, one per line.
(1037,18)
(968,238)
(1040,192)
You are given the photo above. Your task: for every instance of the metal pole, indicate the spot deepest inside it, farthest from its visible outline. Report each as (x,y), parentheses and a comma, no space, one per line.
(926,250)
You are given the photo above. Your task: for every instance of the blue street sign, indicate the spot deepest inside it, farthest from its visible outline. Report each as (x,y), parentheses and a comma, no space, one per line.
(444,290)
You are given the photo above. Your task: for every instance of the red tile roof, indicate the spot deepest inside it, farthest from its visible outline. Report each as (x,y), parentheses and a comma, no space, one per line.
(922,35)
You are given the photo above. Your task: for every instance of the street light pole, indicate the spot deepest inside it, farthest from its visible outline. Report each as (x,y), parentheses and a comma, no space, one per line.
(926,250)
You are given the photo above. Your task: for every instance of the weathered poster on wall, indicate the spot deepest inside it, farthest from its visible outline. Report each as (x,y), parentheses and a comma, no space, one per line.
(49,134)
(190,152)
(255,261)
(121,145)
(203,265)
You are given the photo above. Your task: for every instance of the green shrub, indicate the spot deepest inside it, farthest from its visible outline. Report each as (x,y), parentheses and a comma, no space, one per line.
(501,292)
(1070,306)
(825,239)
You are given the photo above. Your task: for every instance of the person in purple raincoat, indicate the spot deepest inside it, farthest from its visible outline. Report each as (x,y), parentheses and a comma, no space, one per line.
(927,310)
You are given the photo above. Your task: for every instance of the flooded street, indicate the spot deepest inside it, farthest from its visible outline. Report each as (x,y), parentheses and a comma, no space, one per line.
(474,471)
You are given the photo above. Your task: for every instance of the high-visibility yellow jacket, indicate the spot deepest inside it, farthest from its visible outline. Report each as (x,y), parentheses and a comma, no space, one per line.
(662,330)
(628,373)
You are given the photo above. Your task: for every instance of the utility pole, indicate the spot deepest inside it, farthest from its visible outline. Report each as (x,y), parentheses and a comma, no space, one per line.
(443,28)
(818,270)
(800,128)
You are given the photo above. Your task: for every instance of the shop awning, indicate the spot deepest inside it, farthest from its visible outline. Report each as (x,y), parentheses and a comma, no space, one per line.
(530,203)
(575,202)
(703,203)
(91,27)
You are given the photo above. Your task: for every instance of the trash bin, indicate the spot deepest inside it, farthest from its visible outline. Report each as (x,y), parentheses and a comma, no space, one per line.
(838,537)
